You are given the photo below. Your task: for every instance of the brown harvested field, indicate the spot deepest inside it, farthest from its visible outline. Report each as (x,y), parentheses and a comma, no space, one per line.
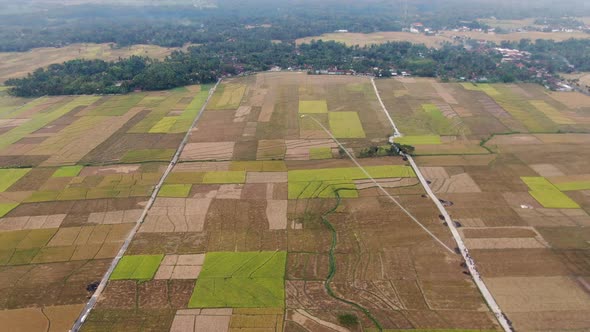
(17,64)
(534,294)
(208,151)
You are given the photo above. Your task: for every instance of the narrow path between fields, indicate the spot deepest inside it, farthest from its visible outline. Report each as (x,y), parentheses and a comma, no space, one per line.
(500,316)
(103,282)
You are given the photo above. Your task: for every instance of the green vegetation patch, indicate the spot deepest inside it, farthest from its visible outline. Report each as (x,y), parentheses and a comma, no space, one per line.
(553,114)
(138,156)
(137,267)
(6,207)
(227,96)
(547,194)
(573,186)
(351,173)
(241,280)
(41,119)
(9,176)
(436,121)
(320,153)
(164,125)
(313,106)
(419,140)
(322,189)
(67,171)
(175,190)
(323,183)
(225,177)
(306,123)
(42,196)
(25,239)
(117,105)
(346,125)
(185,120)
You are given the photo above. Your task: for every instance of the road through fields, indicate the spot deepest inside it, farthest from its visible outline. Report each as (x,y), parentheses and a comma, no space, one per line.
(103,282)
(460,244)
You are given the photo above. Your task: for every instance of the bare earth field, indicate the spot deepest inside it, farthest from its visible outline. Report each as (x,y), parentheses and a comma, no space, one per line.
(437,41)
(17,64)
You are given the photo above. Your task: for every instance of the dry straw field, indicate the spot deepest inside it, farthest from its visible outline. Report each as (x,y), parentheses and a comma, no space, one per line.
(17,64)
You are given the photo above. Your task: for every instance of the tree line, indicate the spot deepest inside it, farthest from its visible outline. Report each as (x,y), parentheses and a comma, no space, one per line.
(55,25)
(206,63)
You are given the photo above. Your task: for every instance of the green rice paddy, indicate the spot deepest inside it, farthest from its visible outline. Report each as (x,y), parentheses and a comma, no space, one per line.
(320,153)
(117,105)
(351,173)
(10,176)
(241,280)
(185,120)
(175,190)
(346,125)
(322,189)
(137,267)
(164,125)
(313,106)
(67,171)
(40,120)
(548,195)
(25,239)
(322,183)
(227,97)
(573,186)
(6,207)
(549,111)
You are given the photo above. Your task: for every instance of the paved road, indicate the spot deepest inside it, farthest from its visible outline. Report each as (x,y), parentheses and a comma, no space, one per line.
(103,282)
(460,244)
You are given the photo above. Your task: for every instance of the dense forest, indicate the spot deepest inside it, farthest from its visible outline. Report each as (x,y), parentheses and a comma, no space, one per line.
(25,25)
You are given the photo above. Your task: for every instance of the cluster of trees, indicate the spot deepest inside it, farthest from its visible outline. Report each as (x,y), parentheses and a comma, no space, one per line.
(565,56)
(206,63)
(54,24)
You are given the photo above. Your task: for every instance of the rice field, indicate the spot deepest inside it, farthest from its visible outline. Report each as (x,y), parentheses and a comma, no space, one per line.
(324,183)
(175,190)
(241,280)
(547,194)
(67,171)
(137,267)
(313,106)
(10,176)
(346,125)
(320,153)
(227,97)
